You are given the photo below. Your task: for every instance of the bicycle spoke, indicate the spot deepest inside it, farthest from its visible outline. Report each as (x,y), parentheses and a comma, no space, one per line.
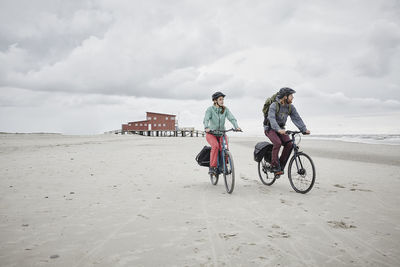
(265,177)
(229,173)
(302,173)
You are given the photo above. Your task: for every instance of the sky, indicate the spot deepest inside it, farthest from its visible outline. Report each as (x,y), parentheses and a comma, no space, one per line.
(86,67)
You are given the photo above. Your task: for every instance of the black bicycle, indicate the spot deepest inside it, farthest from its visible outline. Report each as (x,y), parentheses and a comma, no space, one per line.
(301,170)
(225,164)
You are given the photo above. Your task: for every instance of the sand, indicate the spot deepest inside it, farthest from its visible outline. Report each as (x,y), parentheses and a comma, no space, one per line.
(111,200)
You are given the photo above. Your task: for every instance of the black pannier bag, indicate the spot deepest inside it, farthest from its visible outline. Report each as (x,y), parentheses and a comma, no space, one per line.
(263,150)
(203,158)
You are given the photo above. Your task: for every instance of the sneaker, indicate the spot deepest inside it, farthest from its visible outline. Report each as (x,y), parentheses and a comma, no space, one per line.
(212,170)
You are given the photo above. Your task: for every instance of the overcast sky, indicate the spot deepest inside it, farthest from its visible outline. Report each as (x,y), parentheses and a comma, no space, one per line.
(85,67)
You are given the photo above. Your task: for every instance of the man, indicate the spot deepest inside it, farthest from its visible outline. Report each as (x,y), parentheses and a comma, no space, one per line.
(275,128)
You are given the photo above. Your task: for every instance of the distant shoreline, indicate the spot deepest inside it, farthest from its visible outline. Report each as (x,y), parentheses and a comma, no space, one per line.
(33,133)
(375,139)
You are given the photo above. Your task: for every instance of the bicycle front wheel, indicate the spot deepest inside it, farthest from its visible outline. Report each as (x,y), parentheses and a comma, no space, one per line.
(229,172)
(301,173)
(263,173)
(214,179)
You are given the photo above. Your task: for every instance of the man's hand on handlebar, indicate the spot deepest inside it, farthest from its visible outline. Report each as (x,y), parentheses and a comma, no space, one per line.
(283,132)
(297,132)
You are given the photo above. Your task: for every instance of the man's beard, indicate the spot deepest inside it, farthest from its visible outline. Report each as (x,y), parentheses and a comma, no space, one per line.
(288,101)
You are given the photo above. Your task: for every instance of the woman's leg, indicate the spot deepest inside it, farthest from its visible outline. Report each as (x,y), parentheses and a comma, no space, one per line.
(213,141)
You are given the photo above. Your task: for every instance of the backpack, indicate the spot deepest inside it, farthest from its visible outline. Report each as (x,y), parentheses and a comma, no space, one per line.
(263,150)
(203,158)
(268,103)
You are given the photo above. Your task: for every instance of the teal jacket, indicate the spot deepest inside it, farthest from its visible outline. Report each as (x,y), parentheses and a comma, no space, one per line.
(214,120)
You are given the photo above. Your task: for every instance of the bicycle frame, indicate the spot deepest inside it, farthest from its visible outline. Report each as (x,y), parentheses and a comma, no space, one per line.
(300,175)
(295,151)
(224,148)
(221,154)
(224,158)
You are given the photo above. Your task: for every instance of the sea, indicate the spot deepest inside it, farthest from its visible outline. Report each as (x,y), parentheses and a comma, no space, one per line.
(384,139)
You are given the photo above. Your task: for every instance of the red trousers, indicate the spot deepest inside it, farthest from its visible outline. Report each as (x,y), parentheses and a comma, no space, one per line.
(279,140)
(216,145)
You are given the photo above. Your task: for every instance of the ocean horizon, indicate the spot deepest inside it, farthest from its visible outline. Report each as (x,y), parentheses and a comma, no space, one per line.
(383,139)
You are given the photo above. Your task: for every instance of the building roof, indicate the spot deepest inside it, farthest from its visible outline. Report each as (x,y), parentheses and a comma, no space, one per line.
(160,113)
(137,121)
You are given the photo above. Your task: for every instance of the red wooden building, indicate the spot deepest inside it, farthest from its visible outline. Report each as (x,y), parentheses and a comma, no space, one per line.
(154,122)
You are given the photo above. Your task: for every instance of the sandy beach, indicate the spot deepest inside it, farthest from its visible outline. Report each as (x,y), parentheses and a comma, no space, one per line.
(110,200)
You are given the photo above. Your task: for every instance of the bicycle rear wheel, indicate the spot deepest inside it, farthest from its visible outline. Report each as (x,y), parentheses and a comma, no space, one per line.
(214,179)
(302,173)
(229,172)
(263,173)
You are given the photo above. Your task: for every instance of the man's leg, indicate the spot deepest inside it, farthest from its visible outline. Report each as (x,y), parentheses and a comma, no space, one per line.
(276,141)
(287,149)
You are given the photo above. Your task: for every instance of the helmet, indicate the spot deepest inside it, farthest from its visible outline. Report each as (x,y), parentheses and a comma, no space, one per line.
(216,95)
(285,91)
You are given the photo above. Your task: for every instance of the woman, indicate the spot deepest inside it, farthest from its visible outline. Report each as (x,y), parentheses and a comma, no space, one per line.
(214,120)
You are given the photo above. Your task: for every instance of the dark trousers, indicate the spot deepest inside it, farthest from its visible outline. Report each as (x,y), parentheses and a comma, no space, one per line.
(279,140)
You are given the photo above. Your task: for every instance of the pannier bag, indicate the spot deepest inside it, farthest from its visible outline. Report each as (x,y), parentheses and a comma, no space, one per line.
(263,150)
(203,158)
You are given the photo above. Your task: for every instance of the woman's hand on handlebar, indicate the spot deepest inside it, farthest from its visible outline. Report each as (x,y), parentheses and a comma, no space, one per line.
(207,130)
(238,129)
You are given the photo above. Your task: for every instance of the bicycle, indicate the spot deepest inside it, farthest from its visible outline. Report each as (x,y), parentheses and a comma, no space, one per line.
(227,168)
(301,174)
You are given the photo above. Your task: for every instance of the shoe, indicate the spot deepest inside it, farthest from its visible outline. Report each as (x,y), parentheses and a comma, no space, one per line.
(212,171)
(277,170)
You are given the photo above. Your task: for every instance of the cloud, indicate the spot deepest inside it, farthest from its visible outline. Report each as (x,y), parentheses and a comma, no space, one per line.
(383,50)
(130,49)
(342,57)
(314,102)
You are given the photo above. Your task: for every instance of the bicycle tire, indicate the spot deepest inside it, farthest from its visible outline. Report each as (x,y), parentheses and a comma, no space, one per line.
(214,179)
(301,176)
(229,173)
(261,170)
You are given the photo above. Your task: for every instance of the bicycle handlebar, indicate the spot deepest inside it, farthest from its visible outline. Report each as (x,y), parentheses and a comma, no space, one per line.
(294,132)
(224,131)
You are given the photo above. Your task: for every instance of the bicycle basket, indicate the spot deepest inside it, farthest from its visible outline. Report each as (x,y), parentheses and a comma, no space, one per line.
(203,158)
(262,150)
